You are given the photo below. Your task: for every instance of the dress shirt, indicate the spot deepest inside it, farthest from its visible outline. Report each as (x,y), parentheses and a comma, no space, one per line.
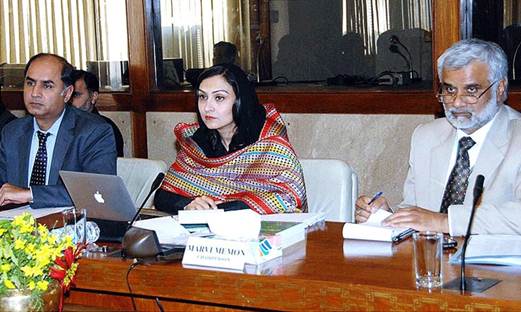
(479,137)
(51,140)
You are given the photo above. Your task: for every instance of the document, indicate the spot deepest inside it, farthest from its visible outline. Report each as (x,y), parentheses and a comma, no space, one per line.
(491,249)
(373,229)
(198,216)
(308,218)
(36,213)
(167,229)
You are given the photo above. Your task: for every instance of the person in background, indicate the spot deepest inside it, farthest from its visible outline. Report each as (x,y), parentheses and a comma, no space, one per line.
(224,53)
(52,137)
(5,115)
(236,157)
(479,135)
(85,96)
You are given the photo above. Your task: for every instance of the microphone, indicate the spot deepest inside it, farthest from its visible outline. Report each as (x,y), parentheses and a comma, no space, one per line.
(155,185)
(142,243)
(478,190)
(473,284)
(514,58)
(394,49)
(395,42)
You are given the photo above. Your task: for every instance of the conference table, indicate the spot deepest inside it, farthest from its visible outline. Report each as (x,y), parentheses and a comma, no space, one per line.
(324,273)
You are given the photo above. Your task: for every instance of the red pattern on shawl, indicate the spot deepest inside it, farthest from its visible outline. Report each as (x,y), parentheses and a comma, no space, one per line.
(265,175)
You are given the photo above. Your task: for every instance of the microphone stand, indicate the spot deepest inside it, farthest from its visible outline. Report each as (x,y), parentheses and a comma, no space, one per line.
(472,284)
(514,76)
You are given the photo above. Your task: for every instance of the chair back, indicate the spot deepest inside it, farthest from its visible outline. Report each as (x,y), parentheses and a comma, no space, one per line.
(331,187)
(138,174)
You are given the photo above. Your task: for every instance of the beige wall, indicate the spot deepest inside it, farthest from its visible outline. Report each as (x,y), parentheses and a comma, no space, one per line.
(376,146)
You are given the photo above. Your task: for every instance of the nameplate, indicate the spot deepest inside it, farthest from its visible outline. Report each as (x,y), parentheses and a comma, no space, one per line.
(215,252)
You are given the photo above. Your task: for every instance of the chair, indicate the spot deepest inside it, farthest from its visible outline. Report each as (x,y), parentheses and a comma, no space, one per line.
(331,187)
(138,175)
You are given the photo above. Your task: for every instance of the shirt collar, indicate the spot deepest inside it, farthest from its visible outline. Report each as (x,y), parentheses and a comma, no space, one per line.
(479,135)
(53,130)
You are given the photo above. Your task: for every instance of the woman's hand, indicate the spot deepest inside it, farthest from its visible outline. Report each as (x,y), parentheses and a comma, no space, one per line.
(202,203)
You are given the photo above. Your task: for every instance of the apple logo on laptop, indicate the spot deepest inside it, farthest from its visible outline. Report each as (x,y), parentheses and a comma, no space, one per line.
(98,197)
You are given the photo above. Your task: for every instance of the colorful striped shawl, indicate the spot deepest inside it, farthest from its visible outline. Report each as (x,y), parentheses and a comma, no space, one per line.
(266,175)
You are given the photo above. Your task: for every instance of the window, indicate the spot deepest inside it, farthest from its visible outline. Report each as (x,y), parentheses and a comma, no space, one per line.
(189,29)
(91,34)
(314,40)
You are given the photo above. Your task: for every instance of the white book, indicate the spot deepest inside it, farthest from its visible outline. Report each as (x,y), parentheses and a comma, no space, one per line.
(374,230)
(491,249)
(308,218)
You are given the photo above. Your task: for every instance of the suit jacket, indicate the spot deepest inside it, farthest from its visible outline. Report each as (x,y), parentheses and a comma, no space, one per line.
(499,161)
(84,143)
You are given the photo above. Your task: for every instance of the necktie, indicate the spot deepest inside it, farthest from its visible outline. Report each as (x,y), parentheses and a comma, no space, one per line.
(40,162)
(459,176)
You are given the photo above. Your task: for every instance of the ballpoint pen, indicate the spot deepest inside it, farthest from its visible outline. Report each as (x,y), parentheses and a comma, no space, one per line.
(375,197)
(402,236)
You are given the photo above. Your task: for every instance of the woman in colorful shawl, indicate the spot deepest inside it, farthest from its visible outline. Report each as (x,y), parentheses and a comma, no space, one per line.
(237,156)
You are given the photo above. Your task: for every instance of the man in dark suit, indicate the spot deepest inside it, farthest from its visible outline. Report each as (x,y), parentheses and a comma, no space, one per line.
(85,96)
(54,137)
(5,116)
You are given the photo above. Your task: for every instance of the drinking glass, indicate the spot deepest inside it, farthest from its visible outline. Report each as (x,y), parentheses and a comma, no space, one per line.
(428,255)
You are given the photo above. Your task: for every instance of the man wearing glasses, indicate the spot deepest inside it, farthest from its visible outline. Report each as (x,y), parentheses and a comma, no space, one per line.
(480,135)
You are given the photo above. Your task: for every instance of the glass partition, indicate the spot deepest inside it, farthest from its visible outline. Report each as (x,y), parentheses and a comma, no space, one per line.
(329,42)
(503,26)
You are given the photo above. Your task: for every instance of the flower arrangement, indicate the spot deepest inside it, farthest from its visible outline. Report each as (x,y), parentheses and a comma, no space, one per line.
(31,258)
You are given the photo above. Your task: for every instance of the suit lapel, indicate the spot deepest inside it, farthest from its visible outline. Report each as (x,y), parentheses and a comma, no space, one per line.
(61,147)
(25,140)
(492,152)
(440,158)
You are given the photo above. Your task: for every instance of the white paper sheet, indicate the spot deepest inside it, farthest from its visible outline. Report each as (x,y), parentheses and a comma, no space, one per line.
(168,230)
(238,224)
(36,213)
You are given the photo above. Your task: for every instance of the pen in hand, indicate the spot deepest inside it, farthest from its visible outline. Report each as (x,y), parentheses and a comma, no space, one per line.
(375,197)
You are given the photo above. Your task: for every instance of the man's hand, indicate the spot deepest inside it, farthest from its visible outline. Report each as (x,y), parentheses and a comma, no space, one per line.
(10,194)
(202,203)
(419,219)
(364,210)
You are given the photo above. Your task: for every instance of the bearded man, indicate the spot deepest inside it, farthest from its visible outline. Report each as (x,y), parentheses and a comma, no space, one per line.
(479,135)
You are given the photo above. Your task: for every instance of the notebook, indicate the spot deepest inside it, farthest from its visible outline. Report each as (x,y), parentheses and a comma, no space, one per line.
(105,198)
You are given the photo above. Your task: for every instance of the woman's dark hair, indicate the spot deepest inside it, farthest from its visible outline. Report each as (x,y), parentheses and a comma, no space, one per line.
(249,116)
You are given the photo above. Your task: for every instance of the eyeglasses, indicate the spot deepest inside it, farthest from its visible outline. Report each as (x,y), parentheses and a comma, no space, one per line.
(448,97)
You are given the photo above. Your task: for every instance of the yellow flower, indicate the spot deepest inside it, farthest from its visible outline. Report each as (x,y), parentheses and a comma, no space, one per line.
(19,244)
(30,248)
(2,231)
(5,267)
(42,285)
(32,271)
(9,284)
(32,285)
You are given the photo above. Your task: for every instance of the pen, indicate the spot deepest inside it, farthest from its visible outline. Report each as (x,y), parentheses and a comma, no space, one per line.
(403,235)
(375,197)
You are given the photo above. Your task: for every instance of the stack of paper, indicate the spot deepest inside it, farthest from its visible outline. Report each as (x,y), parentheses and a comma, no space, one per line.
(36,213)
(373,229)
(491,249)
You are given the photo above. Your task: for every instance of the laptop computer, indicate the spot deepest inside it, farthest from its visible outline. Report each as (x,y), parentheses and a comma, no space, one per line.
(105,198)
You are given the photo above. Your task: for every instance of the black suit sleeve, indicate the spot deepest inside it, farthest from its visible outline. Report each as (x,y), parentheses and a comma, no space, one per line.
(171,202)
